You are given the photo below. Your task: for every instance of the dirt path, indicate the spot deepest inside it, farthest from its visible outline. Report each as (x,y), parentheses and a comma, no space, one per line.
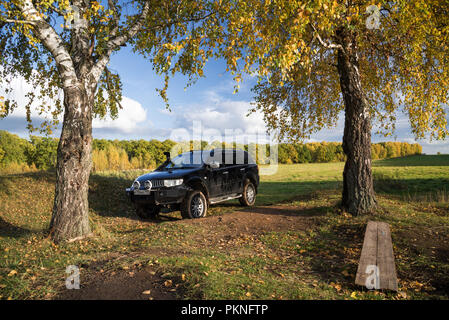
(215,231)
(123,285)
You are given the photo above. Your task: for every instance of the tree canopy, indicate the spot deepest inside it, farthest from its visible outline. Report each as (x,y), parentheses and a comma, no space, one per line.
(316,59)
(292,46)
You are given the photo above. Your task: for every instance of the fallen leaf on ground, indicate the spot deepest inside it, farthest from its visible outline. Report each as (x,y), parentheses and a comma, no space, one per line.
(12,273)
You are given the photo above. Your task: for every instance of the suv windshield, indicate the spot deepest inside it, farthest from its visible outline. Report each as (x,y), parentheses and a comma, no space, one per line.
(193,159)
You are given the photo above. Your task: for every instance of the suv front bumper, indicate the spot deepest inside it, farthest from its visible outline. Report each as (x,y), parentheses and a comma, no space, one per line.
(160,196)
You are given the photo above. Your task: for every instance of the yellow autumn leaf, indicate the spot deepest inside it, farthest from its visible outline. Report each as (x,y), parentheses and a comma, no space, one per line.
(12,273)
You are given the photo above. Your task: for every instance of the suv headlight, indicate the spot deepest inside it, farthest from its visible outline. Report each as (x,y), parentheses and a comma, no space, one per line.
(136,185)
(172,182)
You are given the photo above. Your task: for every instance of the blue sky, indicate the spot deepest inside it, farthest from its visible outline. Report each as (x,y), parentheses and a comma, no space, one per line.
(210,101)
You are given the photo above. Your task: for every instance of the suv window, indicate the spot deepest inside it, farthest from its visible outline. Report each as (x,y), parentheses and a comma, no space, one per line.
(187,160)
(230,157)
(217,157)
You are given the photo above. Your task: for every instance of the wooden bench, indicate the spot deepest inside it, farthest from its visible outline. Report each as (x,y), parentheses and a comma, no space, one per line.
(376,267)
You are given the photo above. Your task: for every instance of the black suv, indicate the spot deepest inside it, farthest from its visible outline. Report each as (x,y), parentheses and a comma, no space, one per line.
(194,180)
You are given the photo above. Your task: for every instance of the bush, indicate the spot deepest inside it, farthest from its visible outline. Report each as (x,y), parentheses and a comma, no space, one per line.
(42,152)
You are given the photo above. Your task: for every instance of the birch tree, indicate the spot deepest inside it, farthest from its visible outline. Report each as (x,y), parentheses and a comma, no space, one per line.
(61,46)
(368,60)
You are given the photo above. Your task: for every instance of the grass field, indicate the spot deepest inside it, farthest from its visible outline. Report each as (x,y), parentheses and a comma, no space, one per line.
(295,244)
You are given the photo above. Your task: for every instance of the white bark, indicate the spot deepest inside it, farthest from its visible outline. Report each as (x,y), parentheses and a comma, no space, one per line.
(52,41)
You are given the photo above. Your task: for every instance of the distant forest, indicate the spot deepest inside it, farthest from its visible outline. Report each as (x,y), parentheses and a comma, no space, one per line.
(39,153)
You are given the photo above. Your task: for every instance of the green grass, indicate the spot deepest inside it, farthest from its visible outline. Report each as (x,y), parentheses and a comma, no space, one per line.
(315,262)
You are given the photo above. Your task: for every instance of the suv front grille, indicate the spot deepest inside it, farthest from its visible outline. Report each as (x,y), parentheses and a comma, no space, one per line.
(157,184)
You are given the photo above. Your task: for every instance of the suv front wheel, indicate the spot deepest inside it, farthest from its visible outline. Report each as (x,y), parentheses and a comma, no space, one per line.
(249,194)
(194,205)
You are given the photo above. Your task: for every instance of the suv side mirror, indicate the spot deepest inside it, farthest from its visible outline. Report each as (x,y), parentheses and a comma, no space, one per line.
(214,164)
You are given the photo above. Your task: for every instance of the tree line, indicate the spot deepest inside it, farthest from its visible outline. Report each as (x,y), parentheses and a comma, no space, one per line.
(39,153)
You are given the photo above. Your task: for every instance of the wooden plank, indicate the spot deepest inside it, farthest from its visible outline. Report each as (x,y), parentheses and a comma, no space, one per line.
(369,253)
(385,258)
(377,258)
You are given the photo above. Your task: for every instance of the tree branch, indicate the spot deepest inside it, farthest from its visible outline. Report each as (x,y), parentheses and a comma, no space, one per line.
(122,39)
(51,41)
(324,44)
(112,6)
(110,91)
(16,21)
(116,42)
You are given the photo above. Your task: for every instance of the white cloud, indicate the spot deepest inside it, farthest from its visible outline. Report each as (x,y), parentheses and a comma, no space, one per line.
(220,114)
(166,112)
(20,89)
(128,119)
(221,117)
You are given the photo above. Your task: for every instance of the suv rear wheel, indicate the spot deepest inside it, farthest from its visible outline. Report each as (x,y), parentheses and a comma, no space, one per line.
(249,194)
(145,211)
(194,205)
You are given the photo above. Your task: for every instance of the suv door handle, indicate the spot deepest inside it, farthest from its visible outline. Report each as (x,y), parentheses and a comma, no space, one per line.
(243,169)
(226,172)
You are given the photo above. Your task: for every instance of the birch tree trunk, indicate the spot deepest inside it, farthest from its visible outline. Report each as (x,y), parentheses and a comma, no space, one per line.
(358,192)
(70,218)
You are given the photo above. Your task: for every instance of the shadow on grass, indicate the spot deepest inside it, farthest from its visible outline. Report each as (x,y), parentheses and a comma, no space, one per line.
(10,182)
(12,231)
(107,196)
(329,257)
(293,212)
(409,187)
(271,193)
(412,161)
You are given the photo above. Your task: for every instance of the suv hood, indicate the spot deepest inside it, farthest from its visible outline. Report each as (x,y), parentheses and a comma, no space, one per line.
(172,174)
